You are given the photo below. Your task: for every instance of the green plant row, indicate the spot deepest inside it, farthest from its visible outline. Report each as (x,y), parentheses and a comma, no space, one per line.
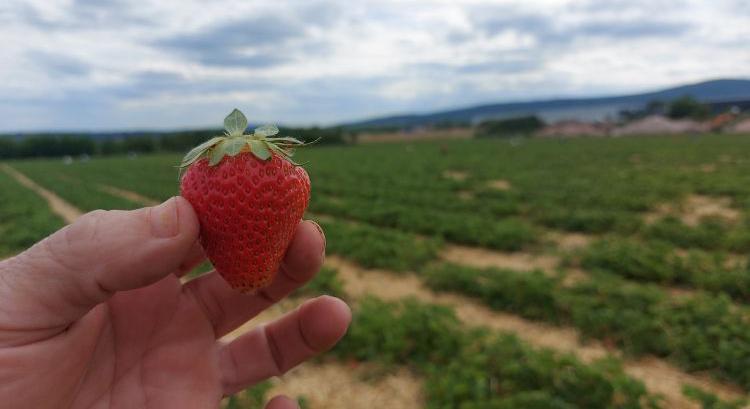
(504,233)
(25,218)
(659,262)
(709,234)
(474,368)
(478,369)
(84,195)
(375,247)
(583,185)
(490,203)
(698,333)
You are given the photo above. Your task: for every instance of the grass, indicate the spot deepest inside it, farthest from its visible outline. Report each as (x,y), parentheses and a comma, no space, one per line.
(25,217)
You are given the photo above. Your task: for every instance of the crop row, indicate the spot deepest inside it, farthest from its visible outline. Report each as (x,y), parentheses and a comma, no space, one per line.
(25,217)
(699,333)
(483,369)
(475,367)
(154,177)
(586,185)
(478,369)
(379,248)
(660,262)
(467,368)
(81,194)
(579,178)
(710,234)
(504,233)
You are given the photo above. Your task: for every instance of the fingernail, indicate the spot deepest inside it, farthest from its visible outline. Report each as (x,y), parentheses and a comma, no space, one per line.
(323,235)
(164,221)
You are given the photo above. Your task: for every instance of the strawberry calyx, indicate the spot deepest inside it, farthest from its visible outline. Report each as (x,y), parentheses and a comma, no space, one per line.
(262,143)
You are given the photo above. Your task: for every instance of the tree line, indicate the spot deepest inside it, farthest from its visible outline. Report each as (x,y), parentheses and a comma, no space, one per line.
(67,144)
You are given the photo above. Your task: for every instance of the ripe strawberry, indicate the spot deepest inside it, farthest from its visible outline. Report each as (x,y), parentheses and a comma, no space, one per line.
(249,197)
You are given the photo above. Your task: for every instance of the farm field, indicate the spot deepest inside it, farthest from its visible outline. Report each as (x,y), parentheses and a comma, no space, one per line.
(586,273)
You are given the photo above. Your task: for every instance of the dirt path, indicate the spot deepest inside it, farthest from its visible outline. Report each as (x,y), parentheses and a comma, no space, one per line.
(567,241)
(336,385)
(694,208)
(657,375)
(484,258)
(128,195)
(65,210)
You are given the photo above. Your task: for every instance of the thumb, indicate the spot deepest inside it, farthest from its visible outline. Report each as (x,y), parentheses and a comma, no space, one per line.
(61,278)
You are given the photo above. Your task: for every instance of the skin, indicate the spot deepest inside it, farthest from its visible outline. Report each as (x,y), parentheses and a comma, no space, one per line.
(95,316)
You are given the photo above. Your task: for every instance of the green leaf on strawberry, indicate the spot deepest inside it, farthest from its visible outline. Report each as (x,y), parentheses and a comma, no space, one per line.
(259,149)
(235,123)
(260,143)
(233,146)
(267,130)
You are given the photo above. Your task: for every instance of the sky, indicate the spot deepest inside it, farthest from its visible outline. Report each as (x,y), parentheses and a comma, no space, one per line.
(174,64)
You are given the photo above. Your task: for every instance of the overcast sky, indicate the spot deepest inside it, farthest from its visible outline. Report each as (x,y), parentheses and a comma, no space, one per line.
(134,64)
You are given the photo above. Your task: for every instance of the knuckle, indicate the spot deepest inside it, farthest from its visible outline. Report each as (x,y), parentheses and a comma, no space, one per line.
(74,247)
(87,226)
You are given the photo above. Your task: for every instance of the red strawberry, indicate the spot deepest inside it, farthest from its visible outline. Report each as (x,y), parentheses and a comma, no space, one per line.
(249,197)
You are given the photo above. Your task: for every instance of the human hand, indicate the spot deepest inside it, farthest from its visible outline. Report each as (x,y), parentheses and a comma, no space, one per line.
(95,316)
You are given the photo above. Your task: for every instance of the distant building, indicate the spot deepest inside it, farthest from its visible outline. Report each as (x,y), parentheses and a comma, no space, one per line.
(720,121)
(659,125)
(741,126)
(572,128)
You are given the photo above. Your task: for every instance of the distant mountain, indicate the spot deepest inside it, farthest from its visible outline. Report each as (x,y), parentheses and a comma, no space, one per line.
(722,90)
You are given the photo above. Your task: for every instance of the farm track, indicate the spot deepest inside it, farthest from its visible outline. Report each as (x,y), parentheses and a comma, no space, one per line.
(65,210)
(483,258)
(658,376)
(128,195)
(336,385)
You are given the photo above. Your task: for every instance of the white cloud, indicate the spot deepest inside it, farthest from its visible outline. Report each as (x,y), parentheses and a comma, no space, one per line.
(114,64)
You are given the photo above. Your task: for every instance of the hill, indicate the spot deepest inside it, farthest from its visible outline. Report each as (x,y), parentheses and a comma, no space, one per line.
(721,90)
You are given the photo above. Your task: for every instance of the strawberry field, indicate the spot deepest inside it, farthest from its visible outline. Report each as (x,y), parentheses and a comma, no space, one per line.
(585,273)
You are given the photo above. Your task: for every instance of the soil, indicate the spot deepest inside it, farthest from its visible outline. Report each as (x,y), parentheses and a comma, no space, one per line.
(457,175)
(499,184)
(570,241)
(128,195)
(694,208)
(697,207)
(341,386)
(484,258)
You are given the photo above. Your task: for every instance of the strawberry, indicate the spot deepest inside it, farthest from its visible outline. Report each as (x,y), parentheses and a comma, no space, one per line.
(249,197)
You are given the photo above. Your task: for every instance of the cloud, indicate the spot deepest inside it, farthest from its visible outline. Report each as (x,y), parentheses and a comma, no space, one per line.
(111,64)
(259,40)
(58,65)
(631,29)
(548,29)
(252,42)
(82,15)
